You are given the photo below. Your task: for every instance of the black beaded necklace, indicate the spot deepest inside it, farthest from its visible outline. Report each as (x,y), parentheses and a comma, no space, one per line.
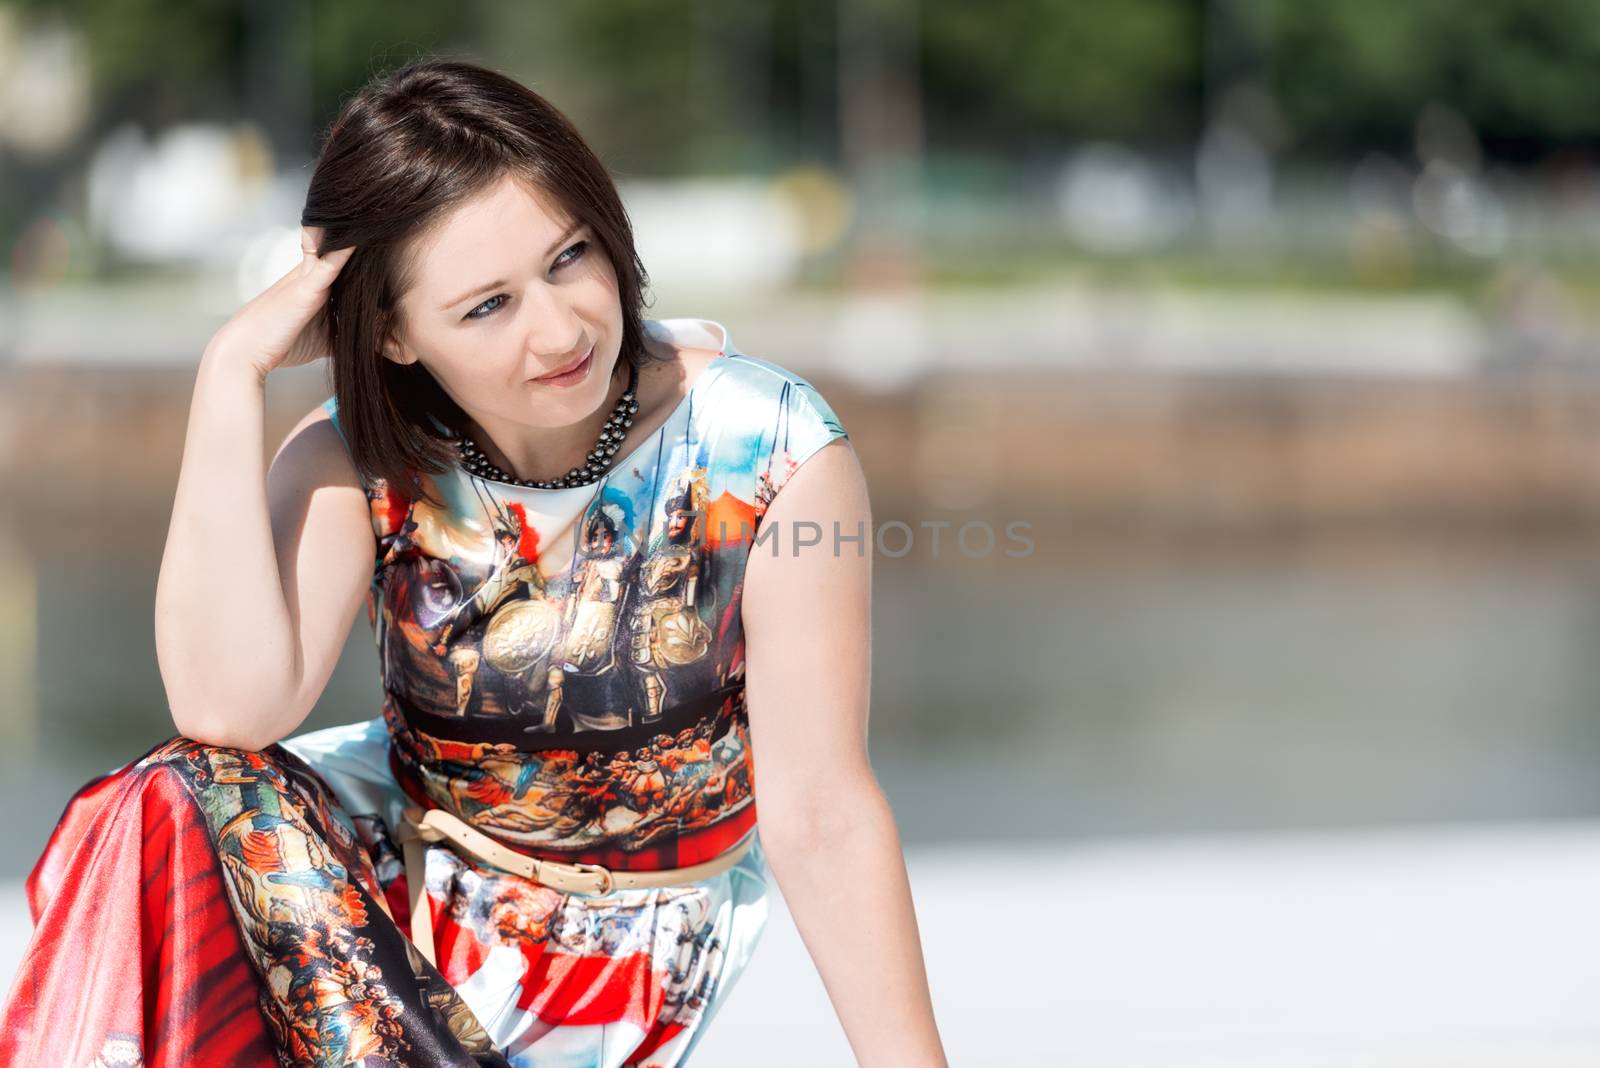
(595,463)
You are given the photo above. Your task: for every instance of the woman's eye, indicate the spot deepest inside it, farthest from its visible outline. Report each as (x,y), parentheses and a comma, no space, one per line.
(488,307)
(579,246)
(473,314)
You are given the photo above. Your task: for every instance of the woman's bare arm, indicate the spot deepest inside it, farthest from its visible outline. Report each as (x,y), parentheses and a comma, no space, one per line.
(828,829)
(262,574)
(262,571)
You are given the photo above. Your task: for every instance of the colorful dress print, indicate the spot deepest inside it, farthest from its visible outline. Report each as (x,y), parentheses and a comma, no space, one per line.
(562,669)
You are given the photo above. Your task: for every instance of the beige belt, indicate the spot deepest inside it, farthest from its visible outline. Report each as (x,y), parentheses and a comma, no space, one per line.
(436,824)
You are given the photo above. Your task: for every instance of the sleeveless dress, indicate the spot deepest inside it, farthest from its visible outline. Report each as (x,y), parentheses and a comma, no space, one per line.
(562,669)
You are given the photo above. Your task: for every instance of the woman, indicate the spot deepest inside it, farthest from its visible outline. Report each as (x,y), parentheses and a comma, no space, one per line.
(563,520)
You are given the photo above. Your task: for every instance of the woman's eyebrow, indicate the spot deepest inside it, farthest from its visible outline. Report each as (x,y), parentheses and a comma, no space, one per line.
(475,290)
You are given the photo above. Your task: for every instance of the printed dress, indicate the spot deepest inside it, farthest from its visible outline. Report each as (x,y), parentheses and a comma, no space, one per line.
(562,669)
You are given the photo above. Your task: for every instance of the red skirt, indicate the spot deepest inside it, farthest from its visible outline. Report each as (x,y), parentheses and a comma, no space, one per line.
(204,905)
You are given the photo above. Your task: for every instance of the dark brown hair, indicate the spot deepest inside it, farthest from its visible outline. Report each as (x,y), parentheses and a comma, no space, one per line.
(403,152)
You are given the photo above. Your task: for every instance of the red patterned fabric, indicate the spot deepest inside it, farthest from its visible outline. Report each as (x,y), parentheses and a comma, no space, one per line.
(135,958)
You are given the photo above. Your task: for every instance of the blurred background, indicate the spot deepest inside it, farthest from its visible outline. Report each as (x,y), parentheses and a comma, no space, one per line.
(1273,320)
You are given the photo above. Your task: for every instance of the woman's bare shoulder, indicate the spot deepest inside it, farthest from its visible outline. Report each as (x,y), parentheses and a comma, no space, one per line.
(314,449)
(666,380)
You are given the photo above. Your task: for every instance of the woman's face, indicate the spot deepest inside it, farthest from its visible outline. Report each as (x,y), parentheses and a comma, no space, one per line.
(506,292)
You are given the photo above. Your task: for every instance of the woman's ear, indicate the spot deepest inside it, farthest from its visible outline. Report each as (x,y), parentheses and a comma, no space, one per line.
(394,349)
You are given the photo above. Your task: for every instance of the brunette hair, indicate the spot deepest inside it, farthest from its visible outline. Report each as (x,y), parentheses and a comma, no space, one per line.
(403,152)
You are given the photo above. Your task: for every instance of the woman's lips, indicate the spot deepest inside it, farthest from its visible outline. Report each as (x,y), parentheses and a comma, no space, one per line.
(569,377)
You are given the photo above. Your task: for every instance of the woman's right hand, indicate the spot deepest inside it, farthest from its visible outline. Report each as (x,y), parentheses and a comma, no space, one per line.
(286,325)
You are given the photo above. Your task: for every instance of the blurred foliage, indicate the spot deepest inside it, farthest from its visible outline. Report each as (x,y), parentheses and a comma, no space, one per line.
(680,85)
(1353,75)
(164,61)
(638,77)
(156,59)
(753,87)
(1025,70)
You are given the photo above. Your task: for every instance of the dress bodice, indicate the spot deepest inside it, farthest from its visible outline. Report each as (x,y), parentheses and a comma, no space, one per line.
(564,668)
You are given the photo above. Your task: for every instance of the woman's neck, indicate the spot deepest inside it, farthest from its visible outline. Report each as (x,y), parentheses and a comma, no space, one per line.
(551,452)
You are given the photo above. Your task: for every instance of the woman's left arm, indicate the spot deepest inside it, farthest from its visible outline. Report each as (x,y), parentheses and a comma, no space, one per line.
(828,831)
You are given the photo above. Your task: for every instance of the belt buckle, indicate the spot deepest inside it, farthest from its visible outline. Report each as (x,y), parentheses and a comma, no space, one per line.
(607,883)
(410,826)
